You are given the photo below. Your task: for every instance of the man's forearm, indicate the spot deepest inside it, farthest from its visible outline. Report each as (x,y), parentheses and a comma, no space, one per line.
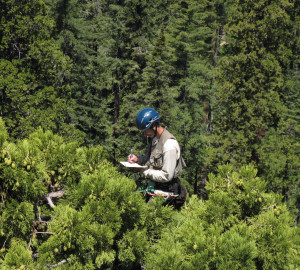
(156,175)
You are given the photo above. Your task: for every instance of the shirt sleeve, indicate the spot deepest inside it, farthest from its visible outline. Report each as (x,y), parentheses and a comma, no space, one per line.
(171,154)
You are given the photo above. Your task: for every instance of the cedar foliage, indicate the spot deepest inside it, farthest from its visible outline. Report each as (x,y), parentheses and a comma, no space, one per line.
(100,221)
(240,226)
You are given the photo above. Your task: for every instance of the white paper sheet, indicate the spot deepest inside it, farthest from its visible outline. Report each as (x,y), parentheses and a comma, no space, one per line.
(132,165)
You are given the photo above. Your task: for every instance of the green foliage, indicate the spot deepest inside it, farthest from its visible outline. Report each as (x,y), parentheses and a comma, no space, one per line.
(3,132)
(93,220)
(273,233)
(280,157)
(78,233)
(279,162)
(17,219)
(133,247)
(18,257)
(240,226)
(251,78)
(33,71)
(243,190)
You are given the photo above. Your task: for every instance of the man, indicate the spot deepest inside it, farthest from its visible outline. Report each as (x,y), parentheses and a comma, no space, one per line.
(162,156)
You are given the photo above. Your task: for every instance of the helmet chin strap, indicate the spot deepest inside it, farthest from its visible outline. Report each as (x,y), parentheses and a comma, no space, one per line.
(155,131)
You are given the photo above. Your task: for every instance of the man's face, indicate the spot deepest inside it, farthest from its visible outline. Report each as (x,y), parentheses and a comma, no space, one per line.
(149,133)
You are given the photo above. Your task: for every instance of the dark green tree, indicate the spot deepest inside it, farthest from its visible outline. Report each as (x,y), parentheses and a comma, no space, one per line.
(33,76)
(82,34)
(279,152)
(251,78)
(256,116)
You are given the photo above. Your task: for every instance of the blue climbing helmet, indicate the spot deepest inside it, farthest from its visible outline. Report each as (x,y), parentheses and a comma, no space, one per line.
(146,118)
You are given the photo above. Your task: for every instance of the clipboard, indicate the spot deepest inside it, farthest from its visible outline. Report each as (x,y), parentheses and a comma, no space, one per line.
(133,165)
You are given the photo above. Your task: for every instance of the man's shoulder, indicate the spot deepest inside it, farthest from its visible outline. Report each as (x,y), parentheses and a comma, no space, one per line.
(167,134)
(171,144)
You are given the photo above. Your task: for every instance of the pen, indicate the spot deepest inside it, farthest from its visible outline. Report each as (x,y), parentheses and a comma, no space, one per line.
(131,152)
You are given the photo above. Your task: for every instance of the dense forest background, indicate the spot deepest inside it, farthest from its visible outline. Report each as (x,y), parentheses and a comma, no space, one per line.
(224,76)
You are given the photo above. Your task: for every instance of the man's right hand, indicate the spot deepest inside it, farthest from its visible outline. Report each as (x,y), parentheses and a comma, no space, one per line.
(133,159)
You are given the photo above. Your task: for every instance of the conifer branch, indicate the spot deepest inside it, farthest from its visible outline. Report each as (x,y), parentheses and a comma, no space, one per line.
(35,233)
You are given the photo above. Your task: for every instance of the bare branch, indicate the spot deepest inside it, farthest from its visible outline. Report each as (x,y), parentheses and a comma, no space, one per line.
(228,181)
(56,194)
(50,201)
(44,233)
(57,264)
(51,195)
(4,242)
(270,207)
